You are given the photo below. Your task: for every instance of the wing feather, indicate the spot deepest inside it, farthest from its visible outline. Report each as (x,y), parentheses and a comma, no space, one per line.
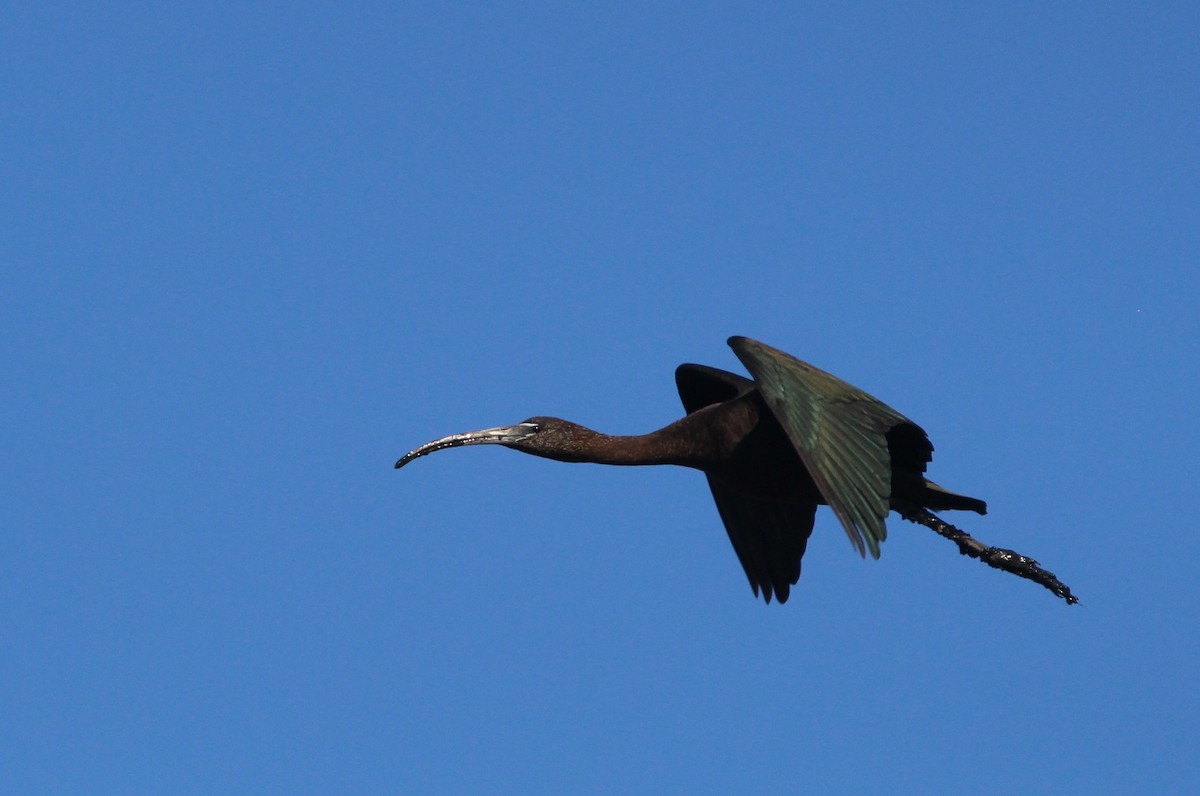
(839,431)
(769,536)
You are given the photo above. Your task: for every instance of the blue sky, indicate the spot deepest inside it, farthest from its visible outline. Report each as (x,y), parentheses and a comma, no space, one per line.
(253,254)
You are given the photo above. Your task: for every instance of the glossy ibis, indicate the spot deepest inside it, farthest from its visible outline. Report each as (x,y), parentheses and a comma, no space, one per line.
(772,450)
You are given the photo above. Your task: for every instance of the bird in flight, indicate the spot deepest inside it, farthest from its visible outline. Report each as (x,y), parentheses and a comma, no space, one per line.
(773,448)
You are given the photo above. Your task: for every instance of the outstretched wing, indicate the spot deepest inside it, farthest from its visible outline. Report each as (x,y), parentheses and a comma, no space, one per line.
(769,536)
(839,431)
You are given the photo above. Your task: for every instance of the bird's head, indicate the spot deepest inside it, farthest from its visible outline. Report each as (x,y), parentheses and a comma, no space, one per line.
(542,436)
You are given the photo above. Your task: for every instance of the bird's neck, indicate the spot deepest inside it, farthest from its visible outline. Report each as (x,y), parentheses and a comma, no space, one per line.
(658,447)
(688,442)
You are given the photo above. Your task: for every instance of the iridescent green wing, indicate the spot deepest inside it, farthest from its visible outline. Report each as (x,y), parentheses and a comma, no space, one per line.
(839,432)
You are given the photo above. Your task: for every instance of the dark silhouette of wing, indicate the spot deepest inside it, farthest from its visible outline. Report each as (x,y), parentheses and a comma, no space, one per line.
(769,536)
(840,433)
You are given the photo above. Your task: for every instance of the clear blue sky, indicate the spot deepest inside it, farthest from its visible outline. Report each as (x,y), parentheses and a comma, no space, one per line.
(253,253)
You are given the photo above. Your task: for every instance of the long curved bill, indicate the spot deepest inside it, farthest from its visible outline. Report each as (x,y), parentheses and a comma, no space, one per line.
(499,435)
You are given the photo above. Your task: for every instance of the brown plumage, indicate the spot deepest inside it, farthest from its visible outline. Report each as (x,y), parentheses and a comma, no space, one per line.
(772,450)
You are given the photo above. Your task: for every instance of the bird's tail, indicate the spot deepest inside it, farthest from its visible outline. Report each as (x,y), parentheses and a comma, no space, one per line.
(936,498)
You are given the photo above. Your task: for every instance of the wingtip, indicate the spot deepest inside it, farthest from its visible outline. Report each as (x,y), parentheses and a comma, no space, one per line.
(748,349)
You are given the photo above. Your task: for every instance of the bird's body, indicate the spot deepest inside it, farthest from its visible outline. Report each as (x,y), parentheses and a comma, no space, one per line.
(773,448)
